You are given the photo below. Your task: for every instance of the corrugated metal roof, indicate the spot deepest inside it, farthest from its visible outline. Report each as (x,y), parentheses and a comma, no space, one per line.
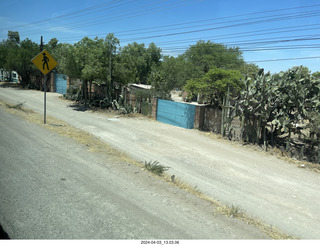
(143,86)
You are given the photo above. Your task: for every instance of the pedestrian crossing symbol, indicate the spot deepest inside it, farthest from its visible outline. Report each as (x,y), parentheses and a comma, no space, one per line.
(45,62)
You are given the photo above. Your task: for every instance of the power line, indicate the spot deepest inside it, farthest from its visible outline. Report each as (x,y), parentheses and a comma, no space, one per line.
(215,19)
(76,14)
(274,60)
(286,16)
(255,13)
(301,15)
(64,16)
(217,23)
(245,34)
(288,47)
(123,15)
(315,13)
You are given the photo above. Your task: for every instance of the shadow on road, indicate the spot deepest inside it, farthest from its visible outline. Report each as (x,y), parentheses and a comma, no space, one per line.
(3,234)
(10,85)
(79,107)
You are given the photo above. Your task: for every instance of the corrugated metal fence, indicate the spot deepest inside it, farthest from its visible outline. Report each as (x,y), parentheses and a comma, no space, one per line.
(175,113)
(61,83)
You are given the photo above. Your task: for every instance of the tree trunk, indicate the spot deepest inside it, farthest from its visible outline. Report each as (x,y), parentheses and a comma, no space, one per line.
(288,141)
(85,91)
(90,91)
(264,138)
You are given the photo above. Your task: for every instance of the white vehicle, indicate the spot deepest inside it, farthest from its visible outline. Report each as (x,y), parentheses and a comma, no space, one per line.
(6,76)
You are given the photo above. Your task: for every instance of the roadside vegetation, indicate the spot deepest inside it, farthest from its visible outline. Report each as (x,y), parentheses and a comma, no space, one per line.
(275,110)
(155,167)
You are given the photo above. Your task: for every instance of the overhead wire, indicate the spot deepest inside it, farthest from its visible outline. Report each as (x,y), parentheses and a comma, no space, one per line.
(215,19)
(286,17)
(316,13)
(284,59)
(74,14)
(63,17)
(123,15)
(283,16)
(214,23)
(164,31)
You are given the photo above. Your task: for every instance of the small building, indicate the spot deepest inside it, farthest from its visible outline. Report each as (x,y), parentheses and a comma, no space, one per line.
(140,86)
(6,76)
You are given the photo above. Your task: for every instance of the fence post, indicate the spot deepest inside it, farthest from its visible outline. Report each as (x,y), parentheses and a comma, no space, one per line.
(154,107)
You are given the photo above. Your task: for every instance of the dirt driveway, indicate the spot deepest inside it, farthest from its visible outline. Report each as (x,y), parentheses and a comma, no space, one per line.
(264,187)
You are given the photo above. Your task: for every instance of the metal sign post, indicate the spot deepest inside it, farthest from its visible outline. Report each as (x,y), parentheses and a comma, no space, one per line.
(45,98)
(45,63)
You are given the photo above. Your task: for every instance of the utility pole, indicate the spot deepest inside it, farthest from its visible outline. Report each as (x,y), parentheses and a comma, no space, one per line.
(41,44)
(44,88)
(110,79)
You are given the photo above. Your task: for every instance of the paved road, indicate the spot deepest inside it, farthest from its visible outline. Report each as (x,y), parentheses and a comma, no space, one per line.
(53,188)
(278,193)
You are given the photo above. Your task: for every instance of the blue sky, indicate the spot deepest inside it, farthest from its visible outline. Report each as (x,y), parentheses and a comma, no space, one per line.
(287,31)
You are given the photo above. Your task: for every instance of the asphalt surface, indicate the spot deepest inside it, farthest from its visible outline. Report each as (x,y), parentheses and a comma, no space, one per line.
(52,187)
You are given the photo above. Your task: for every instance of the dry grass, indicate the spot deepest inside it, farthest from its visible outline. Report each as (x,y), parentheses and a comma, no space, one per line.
(230,211)
(94,144)
(280,154)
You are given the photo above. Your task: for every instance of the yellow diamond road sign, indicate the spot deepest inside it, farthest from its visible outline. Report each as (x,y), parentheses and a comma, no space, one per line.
(45,62)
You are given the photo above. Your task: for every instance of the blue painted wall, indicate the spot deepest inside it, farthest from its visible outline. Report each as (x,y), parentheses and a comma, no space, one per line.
(61,83)
(175,113)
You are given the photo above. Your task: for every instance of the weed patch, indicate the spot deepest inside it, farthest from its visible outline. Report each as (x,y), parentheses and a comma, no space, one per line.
(18,106)
(155,167)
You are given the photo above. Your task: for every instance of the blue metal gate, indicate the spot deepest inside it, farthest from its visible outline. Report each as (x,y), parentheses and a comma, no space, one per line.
(61,83)
(175,113)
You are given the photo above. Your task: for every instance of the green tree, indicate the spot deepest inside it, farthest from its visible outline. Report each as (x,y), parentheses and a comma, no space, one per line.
(10,53)
(213,86)
(136,62)
(153,57)
(25,68)
(175,71)
(3,54)
(52,44)
(109,47)
(14,37)
(81,52)
(65,56)
(91,61)
(316,75)
(17,56)
(207,55)
(249,70)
